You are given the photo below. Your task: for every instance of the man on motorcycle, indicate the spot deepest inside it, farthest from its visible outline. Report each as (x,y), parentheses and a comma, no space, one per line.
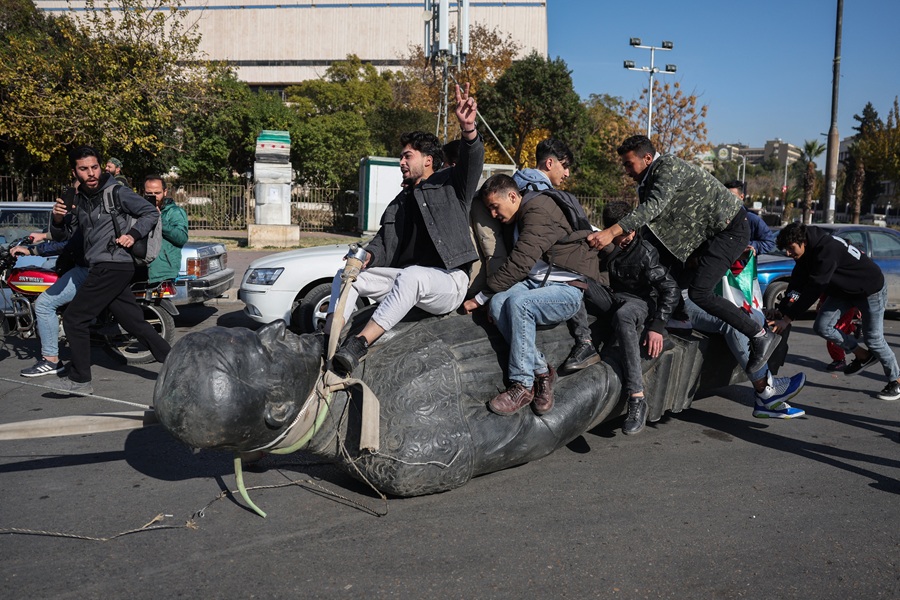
(111,266)
(59,294)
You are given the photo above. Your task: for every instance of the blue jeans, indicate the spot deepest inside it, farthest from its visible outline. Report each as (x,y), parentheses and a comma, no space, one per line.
(736,341)
(517,312)
(58,294)
(872,309)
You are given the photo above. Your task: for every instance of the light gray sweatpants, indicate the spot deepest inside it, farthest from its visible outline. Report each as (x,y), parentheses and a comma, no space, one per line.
(434,290)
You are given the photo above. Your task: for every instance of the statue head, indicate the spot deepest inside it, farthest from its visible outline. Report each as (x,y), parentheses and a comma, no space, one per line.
(235,389)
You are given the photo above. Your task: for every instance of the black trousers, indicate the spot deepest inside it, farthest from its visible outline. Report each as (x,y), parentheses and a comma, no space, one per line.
(706,267)
(107,285)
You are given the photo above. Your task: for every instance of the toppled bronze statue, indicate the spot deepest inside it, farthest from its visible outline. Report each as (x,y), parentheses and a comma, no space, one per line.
(238,390)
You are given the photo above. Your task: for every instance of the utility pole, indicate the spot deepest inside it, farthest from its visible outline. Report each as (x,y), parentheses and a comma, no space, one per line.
(443,54)
(830,191)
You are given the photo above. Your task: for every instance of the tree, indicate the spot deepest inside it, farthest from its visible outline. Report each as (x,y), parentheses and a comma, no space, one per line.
(854,182)
(491,51)
(880,148)
(334,133)
(534,94)
(116,79)
(597,169)
(219,141)
(812,149)
(678,122)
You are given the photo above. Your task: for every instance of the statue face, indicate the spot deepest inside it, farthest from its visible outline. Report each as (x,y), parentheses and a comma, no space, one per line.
(236,389)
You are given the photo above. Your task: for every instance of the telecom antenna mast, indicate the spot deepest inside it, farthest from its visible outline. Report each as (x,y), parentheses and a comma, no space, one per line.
(441,52)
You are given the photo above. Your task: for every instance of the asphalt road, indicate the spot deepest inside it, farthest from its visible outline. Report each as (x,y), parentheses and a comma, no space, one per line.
(708,503)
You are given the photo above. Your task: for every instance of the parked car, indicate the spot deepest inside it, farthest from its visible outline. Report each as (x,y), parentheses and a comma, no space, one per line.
(880,243)
(204,272)
(294,286)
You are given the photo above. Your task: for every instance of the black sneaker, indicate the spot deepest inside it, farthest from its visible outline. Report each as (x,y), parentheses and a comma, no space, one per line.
(44,367)
(890,392)
(637,416)
(857,365)
(347,358)
(761,348)
(582,355)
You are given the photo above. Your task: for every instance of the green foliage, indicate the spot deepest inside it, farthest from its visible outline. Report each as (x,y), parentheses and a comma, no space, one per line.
(597,170)
(219,141)
(348,86)
(112,78)
(880,146)
(534,94)
(329,147)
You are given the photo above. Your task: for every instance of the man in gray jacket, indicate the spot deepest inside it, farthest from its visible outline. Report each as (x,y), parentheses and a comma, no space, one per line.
(421,255)
(108,282)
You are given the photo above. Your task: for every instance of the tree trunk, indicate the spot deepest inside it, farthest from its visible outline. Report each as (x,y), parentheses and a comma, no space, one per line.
(859,180)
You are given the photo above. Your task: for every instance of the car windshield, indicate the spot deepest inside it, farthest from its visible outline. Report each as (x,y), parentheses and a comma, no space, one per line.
(18,222)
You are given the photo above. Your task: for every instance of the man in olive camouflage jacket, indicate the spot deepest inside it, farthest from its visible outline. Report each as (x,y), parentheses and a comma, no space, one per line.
(699,227)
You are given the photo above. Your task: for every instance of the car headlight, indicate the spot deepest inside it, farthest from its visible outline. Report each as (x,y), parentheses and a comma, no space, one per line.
(264,276)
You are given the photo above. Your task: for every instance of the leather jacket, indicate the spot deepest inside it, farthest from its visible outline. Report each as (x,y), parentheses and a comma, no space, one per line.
(636,270)
(444,200)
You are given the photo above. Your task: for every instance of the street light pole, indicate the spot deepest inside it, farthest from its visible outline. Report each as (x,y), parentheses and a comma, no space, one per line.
(831,163)
(652,70)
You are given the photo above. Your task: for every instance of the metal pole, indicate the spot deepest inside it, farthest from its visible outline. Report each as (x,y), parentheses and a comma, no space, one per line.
(650,96)
(830,191)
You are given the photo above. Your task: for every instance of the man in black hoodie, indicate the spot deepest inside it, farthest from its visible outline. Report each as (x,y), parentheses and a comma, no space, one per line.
(111,265)
(827,264)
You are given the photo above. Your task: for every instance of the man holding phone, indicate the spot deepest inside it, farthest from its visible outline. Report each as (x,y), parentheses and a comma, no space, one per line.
(111,266)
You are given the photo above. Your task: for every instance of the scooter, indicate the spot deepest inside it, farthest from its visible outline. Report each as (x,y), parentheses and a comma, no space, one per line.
(20,287)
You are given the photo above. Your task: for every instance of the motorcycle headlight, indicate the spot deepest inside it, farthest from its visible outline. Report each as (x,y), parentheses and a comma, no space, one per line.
(264,276)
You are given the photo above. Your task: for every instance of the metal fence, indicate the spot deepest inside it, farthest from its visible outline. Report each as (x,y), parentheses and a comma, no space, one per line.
(216,205)
(29,189)
(219,205)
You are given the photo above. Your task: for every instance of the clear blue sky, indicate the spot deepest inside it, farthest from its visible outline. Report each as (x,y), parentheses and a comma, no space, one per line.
(764,67)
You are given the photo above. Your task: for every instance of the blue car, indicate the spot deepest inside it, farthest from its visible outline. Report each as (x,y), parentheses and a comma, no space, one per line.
(880,243)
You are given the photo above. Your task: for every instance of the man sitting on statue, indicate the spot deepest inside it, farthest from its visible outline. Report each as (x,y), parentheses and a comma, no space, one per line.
(420,256)
(540,283)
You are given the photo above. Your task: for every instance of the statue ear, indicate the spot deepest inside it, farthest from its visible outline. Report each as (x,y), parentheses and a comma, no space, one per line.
(277,413)
(270,333)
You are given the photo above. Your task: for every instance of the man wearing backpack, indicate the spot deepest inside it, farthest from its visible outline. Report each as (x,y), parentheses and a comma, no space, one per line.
(111,265)
(553,159)
(540,283)
(174,231)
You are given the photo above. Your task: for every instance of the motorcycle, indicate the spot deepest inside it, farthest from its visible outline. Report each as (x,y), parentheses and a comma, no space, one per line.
(20,287)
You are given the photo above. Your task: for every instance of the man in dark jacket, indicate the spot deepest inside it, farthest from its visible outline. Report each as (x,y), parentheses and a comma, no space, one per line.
(693,220)
(111,265)
(828,265)
(541,282)
(762,239)
(647,294)
(421,254)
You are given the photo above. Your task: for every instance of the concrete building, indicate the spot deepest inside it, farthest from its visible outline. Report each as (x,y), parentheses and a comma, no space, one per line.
(274,45)
(783,152)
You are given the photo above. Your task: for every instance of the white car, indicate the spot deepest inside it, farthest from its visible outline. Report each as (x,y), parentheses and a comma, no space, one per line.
(294,286)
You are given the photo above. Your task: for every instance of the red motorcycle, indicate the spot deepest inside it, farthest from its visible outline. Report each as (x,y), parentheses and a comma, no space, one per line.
(20,287)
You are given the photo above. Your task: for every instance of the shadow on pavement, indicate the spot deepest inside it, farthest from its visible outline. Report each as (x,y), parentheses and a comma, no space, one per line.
(760,434)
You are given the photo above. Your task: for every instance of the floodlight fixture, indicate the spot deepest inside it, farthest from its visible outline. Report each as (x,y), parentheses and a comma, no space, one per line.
(651,70)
